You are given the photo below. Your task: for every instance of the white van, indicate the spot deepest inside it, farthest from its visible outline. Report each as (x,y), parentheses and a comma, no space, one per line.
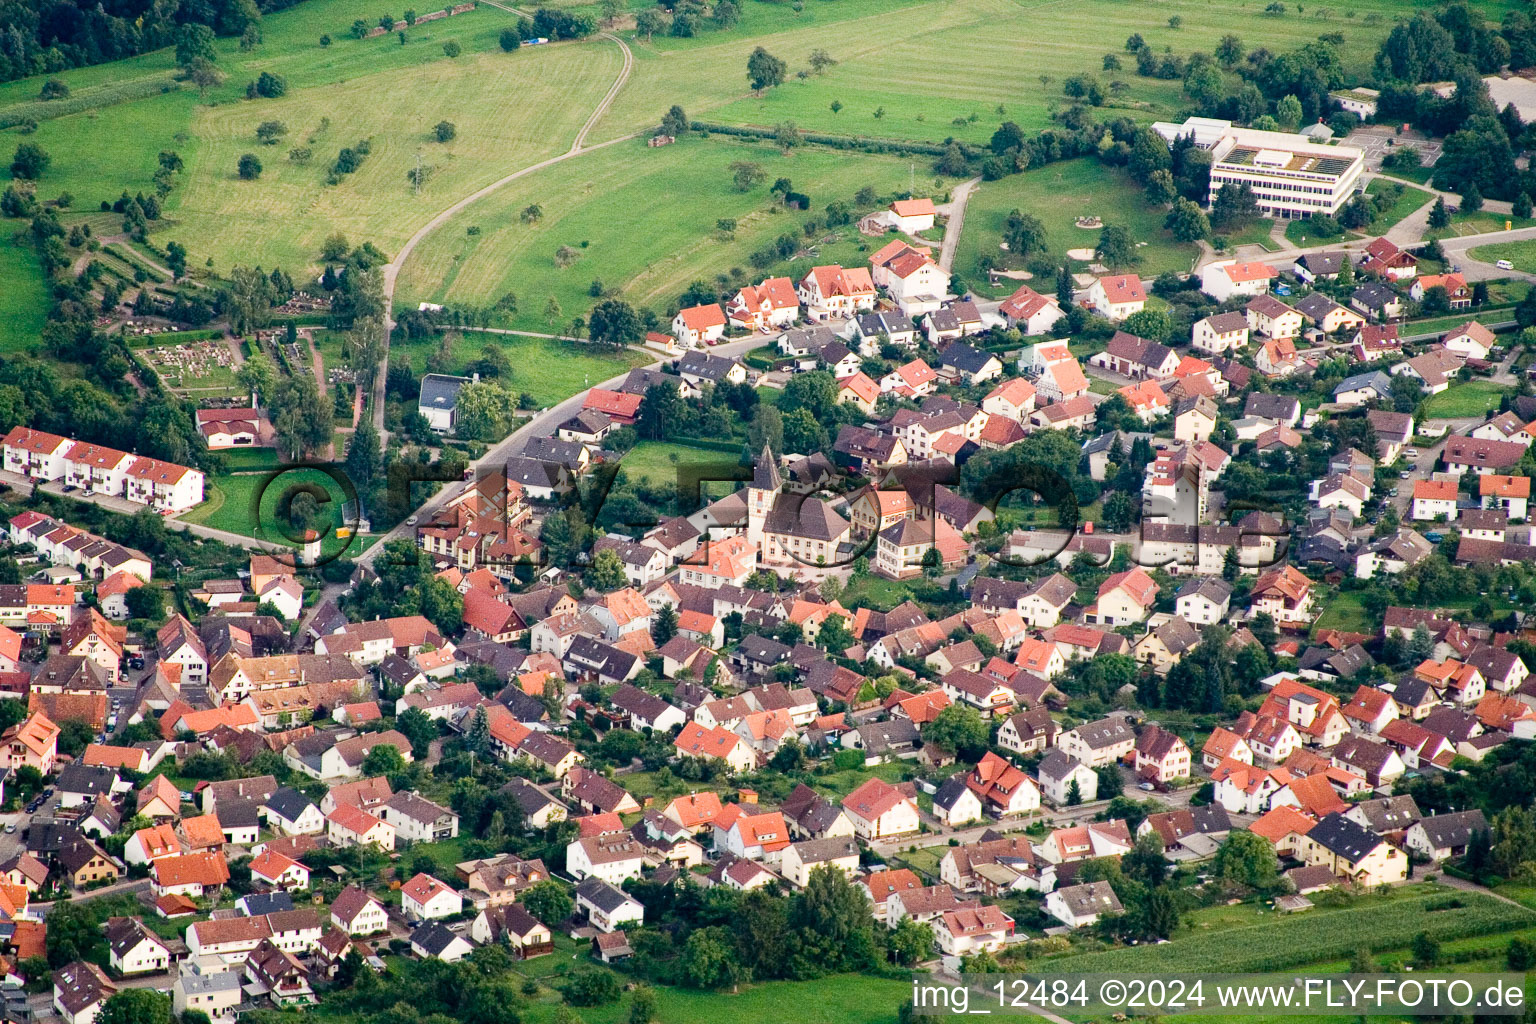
(1505,265)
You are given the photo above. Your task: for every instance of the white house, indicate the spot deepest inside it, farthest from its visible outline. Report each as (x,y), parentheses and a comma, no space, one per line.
(356,912)
(699,325)
(134,949)
(1077,906)
(1117,296)
(425,897)
(1232,278)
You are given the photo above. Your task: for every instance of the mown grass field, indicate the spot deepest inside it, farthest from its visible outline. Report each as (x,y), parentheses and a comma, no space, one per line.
(1058,194)
(1521,254)
(549,369)
(1460,401)
(639,219)
(656,462)
(509,110)
(232,505)
(23,296)
(1410,201)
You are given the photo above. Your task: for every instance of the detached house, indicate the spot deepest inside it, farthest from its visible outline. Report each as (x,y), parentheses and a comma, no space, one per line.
(834,291)
(1117,296)
(1231,278)
(879,810)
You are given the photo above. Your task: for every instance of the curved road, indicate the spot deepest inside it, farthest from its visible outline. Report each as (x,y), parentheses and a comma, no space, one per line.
(392,269)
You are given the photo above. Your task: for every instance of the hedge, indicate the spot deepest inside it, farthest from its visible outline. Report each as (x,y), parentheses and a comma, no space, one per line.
(857,142)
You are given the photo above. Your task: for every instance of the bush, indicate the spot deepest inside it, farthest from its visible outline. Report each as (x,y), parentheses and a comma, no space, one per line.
(53,89)
(452,48)
(510,39)
(445,131)
(249,168)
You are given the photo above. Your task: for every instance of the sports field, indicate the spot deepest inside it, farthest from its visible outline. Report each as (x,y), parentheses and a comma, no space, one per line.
(639,219)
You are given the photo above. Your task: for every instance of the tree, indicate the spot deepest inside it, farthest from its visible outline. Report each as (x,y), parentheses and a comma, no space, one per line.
(1288,112)
(664,625)
(30,161)
(1521,207)
(268,132)
(258,374)
(136,1006)
(1425,949)
(1247,859)
(145,602)
(834,636)
(1229,51)
(959,728)
(787,135)
(1110,782)
(1074,794)
(1186,221)
(1159,914)
(615,322)
(607,572)
(444,131)
(1471,199)
(642,1005)
(510,39)
(1160,189)
(910,942)
(648,22)
(1439,216)
(674,122)
(1024,233)
(747,175)
(1234,205)
(708,960)
(1116,248)
(820,61)
(383,760)
(764,70)
(249,168)
(194,42)
(590,986)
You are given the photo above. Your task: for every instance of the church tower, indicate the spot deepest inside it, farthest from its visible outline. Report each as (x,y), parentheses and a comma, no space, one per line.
(761,494)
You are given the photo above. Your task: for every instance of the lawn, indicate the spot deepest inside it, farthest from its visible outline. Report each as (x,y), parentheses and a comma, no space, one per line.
(1480,223)
(656,463)
(1463,401)
(23,299)
(1410,201)
(232,500)
(1058,194)
(875,592)
(612,216)
(839,999)
(1344,610)
(547,368)
(1521,254)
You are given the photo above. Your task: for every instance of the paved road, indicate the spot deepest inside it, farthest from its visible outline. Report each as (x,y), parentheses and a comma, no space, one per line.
(542,424)
(578,146)
(952,227)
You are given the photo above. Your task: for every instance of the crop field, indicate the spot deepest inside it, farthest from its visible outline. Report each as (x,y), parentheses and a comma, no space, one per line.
(1058,194)
(1276,943)
(615,213)
(901,61)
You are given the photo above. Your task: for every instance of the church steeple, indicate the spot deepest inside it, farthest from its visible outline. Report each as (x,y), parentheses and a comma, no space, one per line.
(765,472)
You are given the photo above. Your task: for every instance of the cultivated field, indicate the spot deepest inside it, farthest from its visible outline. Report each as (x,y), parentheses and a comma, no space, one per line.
(640,219)
(23,297)
(928,64)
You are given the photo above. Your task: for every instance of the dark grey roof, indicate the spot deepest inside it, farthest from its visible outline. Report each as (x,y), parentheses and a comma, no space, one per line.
(1323,264)
(533,472)
(259,904)
(601,895)
(1373,295)
(552,449)
(948,794)
(434,937)
(1389,813)
(1374,379)
(1316,306)
(706,365)
(91,780)
(819,851)
(1106,732)
(966,358)
(1453,830)
(1271,407)
(764,650)
(529,797)
(440,391)
(1056,765)
(289,803)
(1340,836)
